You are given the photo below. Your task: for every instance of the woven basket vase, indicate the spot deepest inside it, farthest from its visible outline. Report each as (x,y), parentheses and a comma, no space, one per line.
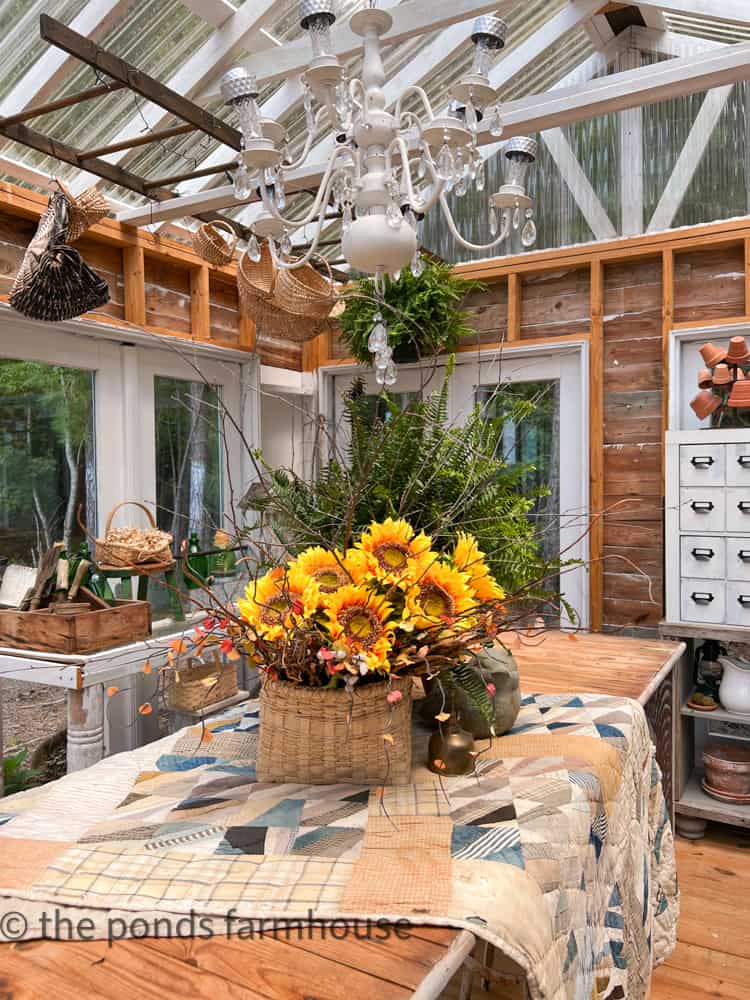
(317,736)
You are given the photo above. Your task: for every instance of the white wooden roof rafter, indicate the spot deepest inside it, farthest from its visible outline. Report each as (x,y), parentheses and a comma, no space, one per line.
(247,33)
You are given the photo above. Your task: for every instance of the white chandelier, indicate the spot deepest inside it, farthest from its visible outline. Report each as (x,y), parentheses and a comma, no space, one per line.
(387,169)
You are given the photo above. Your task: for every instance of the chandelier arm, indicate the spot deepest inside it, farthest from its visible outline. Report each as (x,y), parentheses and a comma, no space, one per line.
(301,261)
(294,164)
(424,99)
(320,198)
(438,183)
(502,236)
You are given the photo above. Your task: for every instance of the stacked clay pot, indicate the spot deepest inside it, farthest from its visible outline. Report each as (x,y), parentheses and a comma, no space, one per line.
(723,383)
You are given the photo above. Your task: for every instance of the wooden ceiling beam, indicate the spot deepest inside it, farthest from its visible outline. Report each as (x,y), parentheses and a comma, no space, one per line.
(142,140)
(56,33)
(218,168)
(62,102)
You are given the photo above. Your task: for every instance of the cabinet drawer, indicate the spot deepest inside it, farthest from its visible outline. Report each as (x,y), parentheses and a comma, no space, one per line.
(738,510)
(738,465)
(702,601)
(738,559)
(738,604)
(702,464)
(702,509)
(703,558)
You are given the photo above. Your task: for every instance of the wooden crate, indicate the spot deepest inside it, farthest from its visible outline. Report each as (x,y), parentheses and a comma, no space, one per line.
(100,628)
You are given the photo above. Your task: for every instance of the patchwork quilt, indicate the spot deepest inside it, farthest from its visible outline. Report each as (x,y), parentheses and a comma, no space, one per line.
(558,851)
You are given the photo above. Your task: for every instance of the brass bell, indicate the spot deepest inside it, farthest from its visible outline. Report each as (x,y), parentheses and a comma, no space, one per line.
(451,751)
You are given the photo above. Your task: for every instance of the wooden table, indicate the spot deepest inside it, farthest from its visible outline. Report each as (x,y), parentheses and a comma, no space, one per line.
(429,964)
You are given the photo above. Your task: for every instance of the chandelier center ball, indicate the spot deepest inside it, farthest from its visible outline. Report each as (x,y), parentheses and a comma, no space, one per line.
(371,244)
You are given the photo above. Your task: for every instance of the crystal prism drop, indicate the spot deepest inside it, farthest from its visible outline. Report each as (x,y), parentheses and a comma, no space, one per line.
(480,177)
(471,117)
(253,249)
(378,338)
(346,218)
(528,233)
(396,276)
(286,244)
(393,215)
(460,187)
(422,168)
(496,124)
(390,374)
(411,219)
(242,184)
(380,376)
(280,193)
(383,357)
(516,217)
(493,220)
(445,164)
(417,264)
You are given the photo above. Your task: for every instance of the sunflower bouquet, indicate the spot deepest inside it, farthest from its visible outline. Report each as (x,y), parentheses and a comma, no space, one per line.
(390,605)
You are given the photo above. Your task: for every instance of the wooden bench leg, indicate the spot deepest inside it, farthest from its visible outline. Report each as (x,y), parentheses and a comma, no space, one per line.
(85,727)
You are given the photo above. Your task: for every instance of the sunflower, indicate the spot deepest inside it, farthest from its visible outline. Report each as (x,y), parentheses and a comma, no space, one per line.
(392,551)
(327,568)
(469,558)
(271,602)
(360,621)
(441,594)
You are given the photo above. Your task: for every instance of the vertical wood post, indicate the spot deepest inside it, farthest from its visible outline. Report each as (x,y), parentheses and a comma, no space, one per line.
(85,727)
(596,445)
(514,307)
(200,310)
(248,333)
(134,280)
(631,156)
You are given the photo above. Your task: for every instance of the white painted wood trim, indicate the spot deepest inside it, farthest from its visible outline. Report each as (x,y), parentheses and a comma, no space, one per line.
(631,156)
(213,12)
(734,11)
(579,185)
(690,157)
(679,391)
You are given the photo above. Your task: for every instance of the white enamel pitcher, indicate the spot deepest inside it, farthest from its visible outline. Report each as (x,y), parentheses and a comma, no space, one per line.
(734,692)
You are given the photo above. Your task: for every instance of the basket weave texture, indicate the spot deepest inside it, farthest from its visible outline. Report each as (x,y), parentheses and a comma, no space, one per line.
(292,305)
(125,547)
(215,242)
(319,736)
(86,209)
(188,688)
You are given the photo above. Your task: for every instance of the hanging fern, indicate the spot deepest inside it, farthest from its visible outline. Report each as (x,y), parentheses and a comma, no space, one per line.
(465,677)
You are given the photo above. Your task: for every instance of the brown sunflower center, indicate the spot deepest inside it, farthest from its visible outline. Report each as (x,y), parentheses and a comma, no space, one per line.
(275,609)
(436,602)
(392,555)
(328,580)
(362,625)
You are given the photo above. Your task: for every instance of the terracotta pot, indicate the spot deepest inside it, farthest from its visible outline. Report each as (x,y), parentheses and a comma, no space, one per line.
(737,352)
(722,375)
(727,768)
(704,404)
(739,375)
(705,378)
(713,355)
(739,398)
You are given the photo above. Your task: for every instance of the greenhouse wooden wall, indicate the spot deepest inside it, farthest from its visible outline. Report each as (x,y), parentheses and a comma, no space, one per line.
(625,298)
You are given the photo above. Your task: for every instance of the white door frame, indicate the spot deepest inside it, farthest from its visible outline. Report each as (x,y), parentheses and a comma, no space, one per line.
(522,362)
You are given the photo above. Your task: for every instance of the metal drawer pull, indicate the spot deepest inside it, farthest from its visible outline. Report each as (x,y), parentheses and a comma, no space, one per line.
(703,553)
(702,506)
(744,600)
(744,555)
(744,506)
(744,461)
(702,598)
(701,461)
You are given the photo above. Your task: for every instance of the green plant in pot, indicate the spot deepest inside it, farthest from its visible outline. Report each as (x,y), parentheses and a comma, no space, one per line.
(422,313)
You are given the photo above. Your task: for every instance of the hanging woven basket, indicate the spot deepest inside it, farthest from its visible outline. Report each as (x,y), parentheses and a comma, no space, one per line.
(215,242)
(86,209)
(257,284)
(304,291)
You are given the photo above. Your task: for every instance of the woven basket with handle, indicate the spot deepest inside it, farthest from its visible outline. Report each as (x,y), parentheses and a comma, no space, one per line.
(320,736)
(192,687)
(133,547)
(215,242)
(86,209)
(304,291)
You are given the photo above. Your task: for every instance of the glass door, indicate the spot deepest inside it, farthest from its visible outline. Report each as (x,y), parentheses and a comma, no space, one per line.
(541,398)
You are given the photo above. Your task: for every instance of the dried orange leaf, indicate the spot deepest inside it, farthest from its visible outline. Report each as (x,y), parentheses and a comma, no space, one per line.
(112,691)
(443,716)
(439,764)
(146,708)
(233,654)
(178,646)
(147,667)
(387,737)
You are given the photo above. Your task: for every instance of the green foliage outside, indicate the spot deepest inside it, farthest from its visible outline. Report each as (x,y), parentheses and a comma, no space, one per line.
(423,314)
(16,775)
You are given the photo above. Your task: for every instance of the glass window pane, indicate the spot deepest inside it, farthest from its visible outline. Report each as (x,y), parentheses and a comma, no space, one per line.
(533,440)
(47,457)
(188,459)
